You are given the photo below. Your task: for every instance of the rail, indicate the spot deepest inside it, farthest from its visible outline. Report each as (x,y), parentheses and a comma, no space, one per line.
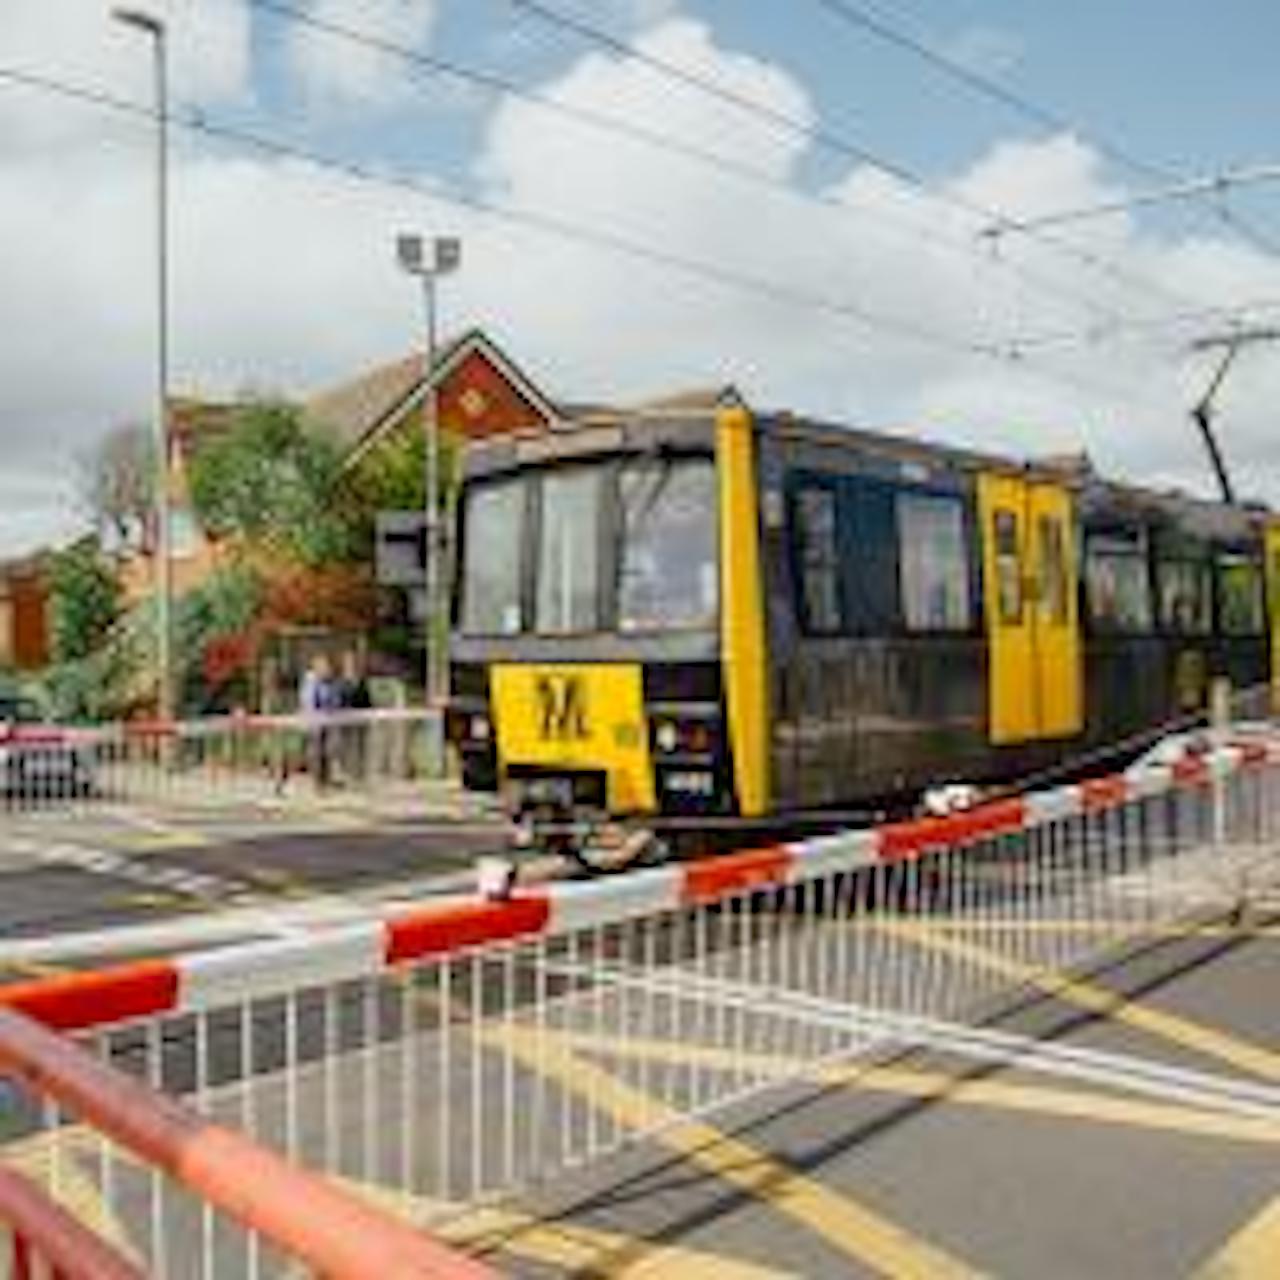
(469,1049)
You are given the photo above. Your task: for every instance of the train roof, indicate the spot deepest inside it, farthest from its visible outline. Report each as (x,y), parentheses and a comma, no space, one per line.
(688,417)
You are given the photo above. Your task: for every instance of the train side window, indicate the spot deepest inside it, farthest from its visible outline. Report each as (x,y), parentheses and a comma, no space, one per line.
(1008,566)
(933,563)
(1117,585)
(817,558)
(1183,592)
(1240,595)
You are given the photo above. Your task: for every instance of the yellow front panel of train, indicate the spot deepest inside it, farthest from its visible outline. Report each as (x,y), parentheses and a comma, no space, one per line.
(577,716)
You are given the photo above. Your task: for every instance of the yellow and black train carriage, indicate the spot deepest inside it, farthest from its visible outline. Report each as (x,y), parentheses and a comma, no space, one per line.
(698,617)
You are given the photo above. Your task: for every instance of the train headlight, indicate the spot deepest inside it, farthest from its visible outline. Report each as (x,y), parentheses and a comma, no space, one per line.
(480,728)
(667,736)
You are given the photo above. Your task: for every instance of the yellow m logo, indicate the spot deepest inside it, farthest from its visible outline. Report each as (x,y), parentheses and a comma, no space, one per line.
(562,707)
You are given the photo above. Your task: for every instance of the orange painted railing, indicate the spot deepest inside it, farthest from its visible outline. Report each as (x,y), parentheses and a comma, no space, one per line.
(333,1233)
(46,1240)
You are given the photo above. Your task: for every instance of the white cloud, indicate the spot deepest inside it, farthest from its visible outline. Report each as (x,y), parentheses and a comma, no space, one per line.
(334,70)
(284,277)
(78,40)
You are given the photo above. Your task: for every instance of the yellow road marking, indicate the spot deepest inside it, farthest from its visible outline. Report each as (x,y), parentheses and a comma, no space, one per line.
(52,1161)
(1208,1041)
(853,1229)
(1253,1253)
(579,1250)
(1067,1104)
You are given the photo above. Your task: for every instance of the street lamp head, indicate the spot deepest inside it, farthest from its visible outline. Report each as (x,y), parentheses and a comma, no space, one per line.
(409,252)
(140,19)
(446,254)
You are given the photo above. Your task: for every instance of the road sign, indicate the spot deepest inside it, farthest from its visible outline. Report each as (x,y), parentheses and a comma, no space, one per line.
(402,548)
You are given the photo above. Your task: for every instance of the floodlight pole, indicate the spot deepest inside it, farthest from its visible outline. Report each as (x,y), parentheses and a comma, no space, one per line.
(154,29)
(445,257)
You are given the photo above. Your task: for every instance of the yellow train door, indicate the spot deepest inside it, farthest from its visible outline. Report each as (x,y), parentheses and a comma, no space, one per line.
(1059,691)
(1030,593)
(1273,607)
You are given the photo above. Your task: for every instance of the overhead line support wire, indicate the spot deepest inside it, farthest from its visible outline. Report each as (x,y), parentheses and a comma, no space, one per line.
(824,138)
(194,120)
(504,87)
(864,18)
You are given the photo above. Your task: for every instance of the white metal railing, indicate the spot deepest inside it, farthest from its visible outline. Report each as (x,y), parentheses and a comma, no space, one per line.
(465,1050)
(263,761)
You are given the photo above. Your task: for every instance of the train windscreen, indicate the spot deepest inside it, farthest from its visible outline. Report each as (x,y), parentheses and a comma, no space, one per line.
(628,546)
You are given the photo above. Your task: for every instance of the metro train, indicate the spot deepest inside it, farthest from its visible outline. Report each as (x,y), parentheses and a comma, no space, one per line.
(702,618)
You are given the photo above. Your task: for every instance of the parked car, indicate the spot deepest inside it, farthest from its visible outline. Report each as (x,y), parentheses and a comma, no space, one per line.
(38,759)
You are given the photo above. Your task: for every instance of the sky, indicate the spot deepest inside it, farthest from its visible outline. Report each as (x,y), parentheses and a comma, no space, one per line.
(770,194)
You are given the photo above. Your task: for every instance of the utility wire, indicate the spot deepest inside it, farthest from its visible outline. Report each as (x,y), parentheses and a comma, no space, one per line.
(195,121)
(830,141)
(863,18)
(667,143)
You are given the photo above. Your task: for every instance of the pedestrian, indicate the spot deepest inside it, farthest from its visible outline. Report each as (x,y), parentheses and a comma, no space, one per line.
(354,697)
(317,699)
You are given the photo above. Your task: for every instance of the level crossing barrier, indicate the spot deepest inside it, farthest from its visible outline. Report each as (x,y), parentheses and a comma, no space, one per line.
(247,763)
(454,1053)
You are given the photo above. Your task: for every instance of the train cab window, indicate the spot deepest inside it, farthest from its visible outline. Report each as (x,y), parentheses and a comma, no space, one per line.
(667,571)
(1240,604)
(933,563)
(1117,584)
(568,592)
(494,524)
(1184,596)
(1008,556)
(817,556)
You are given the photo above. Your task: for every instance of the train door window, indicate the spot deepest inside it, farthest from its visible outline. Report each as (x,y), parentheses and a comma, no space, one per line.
(933,563)
(1184,597)
(667,570)
(1117,585)
(1008,559)
(817,559)
(491,566)
(568,596)
(1054,599)
(1240,603)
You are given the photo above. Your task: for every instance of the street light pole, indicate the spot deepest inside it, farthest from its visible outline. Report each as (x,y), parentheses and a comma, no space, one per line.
(446,255)
(154,29)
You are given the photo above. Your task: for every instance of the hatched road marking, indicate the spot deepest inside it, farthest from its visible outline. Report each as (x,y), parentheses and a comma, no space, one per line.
(1113,1005)
(851,1228)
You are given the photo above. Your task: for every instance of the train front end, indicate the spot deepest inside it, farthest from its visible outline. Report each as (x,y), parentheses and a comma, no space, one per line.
(600,642)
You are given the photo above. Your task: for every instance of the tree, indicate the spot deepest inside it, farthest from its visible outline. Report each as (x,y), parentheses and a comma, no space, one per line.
(84,600)
(117,483)
(274,484)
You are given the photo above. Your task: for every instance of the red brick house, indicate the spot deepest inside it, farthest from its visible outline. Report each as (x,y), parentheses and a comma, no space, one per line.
(24,613)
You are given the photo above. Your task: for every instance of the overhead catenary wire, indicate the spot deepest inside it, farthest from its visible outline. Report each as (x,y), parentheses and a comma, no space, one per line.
(669,144)
(197,121)
(865,19)
(833,142)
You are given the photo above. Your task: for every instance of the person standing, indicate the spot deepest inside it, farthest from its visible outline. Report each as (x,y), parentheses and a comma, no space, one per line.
(317,697)
(354,696)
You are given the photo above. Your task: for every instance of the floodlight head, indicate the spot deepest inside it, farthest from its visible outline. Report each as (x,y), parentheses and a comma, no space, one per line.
(140,19)
(409,252)
(448,254)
